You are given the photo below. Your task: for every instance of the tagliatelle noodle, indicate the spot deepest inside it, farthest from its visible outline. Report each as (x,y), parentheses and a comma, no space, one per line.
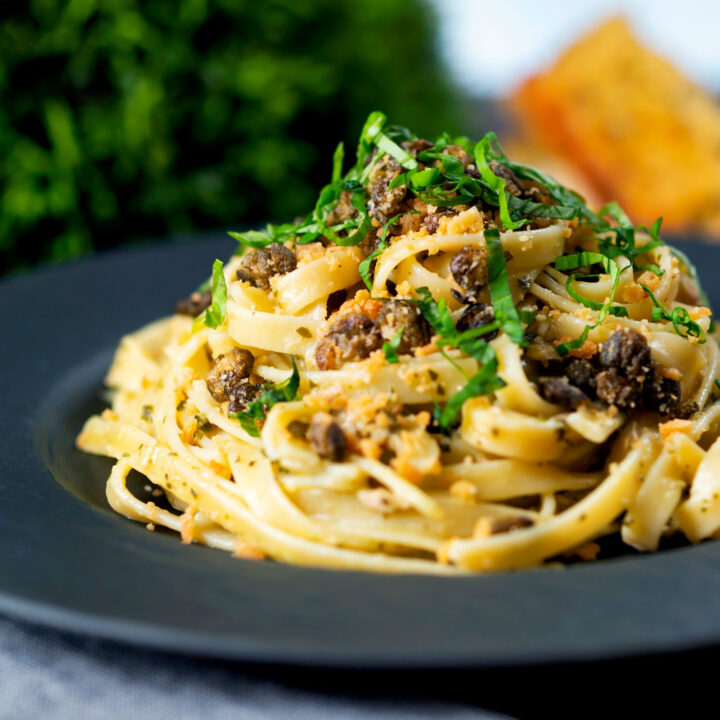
(520,476)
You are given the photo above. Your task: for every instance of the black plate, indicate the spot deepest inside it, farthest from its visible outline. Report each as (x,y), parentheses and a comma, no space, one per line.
(66,560)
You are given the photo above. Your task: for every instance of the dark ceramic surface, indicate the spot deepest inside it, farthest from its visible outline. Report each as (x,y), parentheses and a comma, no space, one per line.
(66,560)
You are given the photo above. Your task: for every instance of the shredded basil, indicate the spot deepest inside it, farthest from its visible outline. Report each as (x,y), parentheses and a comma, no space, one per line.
(436,313)
(496,183)
(581,259)
(362,225)
(471,342)
(564,348)
(484,382)
(501,298)
(338,157)
(623,242)
(372,134)
(364,267)
(251,238)
(683,325)
(444,181)
(563,196)
(214,316)
(251,420)
(651,268)
(578,260)
(528,208)
(527,316)
(391,348)
(451,166)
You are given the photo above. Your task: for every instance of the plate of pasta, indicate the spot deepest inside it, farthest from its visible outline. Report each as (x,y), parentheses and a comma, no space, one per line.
(452,397)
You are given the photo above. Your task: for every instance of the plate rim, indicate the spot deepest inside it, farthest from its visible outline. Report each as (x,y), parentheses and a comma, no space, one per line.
(209,644)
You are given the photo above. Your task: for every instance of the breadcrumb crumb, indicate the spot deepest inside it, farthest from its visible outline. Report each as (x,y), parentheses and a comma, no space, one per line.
(669,428)
(464,490)
(246,551)
(187,526)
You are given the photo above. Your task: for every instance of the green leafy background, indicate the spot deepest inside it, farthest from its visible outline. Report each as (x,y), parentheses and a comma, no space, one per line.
(128,119)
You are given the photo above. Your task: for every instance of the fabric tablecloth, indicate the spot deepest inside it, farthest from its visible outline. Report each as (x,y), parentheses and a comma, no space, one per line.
(50,675)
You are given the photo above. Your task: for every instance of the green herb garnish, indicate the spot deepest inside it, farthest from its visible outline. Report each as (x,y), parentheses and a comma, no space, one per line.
(436,313)
(484,382)
(581,259)
(623,243)
(286,391)
(372,135)
(502,302)
(348,232)
(472,343)
(443,182)
(680,318)
(496,183)
(253,238)
(391,348)
(214,316)
(364,267)
(578,260)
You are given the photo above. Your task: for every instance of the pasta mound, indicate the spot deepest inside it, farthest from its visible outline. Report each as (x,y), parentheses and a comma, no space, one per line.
(453,364)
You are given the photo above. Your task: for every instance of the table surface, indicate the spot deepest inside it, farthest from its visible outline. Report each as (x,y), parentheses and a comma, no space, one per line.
(57,676)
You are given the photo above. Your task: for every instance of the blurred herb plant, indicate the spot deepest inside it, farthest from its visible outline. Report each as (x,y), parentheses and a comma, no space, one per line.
(122,119)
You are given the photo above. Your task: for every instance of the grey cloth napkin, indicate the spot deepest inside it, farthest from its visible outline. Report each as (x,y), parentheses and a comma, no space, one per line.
(53,676)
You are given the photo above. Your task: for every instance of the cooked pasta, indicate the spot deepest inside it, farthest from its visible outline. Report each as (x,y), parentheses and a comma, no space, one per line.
(453,364)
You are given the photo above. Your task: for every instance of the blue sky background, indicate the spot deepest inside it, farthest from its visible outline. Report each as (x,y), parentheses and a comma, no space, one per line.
(491,45)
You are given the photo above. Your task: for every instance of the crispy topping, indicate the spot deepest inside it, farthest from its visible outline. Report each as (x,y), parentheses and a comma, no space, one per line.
(477,315)
(352,337)
(469,268)
(581,373)
(327,438)
(629,352)
(384,202)
(616,389)
(246,551)
(258,266)
(242,396)
(396,316)
(558,390)
(194,304)
(662,394)
(586,351)
(228,373)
